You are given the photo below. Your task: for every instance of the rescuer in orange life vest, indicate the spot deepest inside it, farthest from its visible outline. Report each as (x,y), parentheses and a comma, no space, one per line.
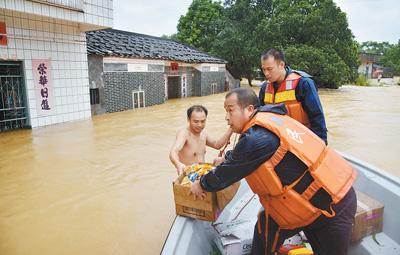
(302,184)
(295,89)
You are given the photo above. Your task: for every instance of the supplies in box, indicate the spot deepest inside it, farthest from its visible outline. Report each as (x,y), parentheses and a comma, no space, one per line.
(211,206)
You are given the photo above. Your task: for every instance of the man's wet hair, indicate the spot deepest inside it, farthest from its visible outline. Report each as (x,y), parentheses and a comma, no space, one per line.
(245,97)
(275,53)
(196,108)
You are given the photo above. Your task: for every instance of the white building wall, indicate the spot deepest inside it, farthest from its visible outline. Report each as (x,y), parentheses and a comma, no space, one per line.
(95,13)
(52,30)
(362,69)
(36,37)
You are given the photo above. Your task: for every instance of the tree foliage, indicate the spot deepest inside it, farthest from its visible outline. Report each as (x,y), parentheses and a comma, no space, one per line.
(314,34)
(328,69)
(392,58)
(171,37)
(372,47)
(199,27)
(235,42)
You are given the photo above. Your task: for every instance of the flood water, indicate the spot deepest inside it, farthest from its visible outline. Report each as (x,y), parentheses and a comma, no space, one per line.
(103,186)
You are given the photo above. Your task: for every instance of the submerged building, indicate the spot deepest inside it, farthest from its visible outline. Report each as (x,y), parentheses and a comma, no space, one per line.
(129,70)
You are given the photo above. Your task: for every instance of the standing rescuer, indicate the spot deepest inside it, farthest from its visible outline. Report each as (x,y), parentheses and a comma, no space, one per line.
(295,89)
(302,184)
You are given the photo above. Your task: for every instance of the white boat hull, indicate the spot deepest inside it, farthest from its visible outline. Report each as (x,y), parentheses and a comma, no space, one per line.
(188,236)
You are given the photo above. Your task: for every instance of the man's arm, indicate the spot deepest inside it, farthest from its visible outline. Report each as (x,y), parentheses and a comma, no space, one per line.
(180,141)
(307,94)
(261,94)
(255,146)
(217,144)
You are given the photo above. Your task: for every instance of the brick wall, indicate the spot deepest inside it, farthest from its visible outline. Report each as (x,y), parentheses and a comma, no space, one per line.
(118,87)
(196,88)
(207,78)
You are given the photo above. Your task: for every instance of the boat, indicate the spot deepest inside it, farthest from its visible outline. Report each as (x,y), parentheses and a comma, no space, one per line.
(190,236)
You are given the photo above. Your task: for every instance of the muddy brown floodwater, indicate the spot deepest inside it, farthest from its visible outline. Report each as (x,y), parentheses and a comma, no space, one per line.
(103,186)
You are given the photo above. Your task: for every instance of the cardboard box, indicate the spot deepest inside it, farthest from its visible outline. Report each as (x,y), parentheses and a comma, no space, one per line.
(369,217)
(207,209)
(235,237)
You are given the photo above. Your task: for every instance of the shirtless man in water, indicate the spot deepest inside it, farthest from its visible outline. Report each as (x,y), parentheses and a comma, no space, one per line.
(190,144)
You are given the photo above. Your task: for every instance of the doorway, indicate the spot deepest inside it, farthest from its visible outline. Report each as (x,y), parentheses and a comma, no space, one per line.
(173,87)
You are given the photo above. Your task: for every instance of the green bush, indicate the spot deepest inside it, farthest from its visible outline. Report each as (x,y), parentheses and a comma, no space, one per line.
(362,81)
(325,65)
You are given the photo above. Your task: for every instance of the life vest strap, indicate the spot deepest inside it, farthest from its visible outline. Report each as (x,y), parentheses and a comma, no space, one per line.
(266,208)
(289,187)
(275,240)
(311,190)
(329,214)
(278,156)
(259,224)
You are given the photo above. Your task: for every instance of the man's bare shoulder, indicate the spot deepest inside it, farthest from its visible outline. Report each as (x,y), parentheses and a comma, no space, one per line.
(182,132)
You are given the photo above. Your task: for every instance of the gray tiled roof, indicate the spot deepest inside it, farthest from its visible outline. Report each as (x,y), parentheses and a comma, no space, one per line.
(112,42)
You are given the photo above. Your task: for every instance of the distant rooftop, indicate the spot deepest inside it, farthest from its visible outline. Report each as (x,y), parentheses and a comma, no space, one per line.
(112,42)
(369,57)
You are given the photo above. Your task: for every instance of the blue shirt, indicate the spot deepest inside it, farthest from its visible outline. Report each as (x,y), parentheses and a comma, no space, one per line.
(255,146)
(307,95)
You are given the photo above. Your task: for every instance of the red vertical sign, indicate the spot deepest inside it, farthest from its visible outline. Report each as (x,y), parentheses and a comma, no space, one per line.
(3,34)
(174,68)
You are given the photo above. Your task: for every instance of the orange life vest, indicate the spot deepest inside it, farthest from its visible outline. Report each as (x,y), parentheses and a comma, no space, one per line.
(286,93)
(329,170)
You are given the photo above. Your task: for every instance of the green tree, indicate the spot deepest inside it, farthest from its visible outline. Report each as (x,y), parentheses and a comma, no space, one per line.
(392,58)
(323,64)
(318,28)
(241,30)
(375,47)
(199,27)
(170,37)
(236,41)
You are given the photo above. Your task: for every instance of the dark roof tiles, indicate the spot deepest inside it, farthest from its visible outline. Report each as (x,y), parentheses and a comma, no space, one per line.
(111,42)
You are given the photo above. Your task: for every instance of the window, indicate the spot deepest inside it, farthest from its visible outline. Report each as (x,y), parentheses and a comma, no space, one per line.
(138,99)
(114,67)
(156,68)
(94,96)
(206,69)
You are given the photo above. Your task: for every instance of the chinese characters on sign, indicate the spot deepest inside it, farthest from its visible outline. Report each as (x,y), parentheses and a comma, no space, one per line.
(43,86)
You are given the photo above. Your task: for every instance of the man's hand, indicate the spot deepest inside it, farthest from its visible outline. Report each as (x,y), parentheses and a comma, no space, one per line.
(180,169)
(197,191)
(218,161)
